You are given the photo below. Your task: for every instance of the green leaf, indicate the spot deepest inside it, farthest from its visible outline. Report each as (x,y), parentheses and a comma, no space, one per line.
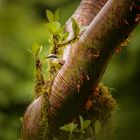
(86,124)
(71,127)
(56,15)
(81,123)
(97,127)
(65,35)
(65,128)
(50,15)
(75,27)
(54,27)
(36,49)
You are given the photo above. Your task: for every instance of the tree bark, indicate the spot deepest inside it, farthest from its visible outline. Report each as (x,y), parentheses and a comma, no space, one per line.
(85,13)
(85,63)
(78,78)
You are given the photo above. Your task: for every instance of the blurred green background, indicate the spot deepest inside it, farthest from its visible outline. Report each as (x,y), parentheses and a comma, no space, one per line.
(22,23)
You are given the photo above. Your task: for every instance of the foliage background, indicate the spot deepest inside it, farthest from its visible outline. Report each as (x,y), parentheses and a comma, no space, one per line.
(21,23)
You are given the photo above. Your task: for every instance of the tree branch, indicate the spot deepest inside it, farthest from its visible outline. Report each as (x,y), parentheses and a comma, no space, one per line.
(85,64)
(78,78)
(85,13)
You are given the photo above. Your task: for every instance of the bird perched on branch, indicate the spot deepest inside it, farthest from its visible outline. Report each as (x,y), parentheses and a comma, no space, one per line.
(56,62)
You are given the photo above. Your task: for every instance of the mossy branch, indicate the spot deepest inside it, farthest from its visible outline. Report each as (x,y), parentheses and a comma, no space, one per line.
(71,86)
(84,66)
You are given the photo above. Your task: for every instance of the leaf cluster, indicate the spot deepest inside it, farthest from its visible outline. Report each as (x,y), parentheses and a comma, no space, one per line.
(75,127)
(36,49)
(58,36)
(56,30)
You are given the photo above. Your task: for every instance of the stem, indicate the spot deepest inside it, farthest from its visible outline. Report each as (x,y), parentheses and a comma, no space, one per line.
(73,40)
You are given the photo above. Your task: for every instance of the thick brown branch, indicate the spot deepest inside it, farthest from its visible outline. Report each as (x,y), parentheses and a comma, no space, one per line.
(83,69)
(85,13)
(32,122)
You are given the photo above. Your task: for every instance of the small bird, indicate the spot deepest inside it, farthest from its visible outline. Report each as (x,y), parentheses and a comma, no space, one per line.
(58,63)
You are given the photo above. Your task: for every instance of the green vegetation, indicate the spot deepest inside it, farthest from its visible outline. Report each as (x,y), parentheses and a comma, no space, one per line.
(74,128)
(21,23)
(58,38)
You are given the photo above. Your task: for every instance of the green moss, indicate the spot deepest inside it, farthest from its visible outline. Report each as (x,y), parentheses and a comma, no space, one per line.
(43,126)
(105,99)
(104,107)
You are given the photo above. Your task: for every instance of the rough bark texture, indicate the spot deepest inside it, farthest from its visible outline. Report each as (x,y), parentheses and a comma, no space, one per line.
(85,63)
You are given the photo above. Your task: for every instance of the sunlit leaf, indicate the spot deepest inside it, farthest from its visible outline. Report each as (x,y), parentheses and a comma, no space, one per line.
(56,15)
(50,15)
(63,36)
(36,49)
(71,127)
(54,27)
